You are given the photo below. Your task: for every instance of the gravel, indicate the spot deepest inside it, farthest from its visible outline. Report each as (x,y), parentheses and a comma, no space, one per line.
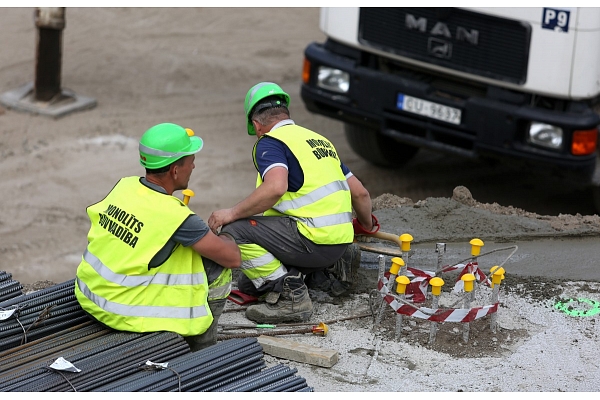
(545,337)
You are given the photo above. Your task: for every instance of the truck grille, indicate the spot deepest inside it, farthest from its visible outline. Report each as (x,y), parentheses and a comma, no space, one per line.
(453,38)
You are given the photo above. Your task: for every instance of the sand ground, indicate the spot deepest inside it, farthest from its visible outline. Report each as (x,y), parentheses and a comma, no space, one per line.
(193,67)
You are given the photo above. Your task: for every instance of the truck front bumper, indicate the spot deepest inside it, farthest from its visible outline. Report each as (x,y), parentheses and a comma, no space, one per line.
(493,121)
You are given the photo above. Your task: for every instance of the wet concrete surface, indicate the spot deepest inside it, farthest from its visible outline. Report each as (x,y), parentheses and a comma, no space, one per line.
(576,259)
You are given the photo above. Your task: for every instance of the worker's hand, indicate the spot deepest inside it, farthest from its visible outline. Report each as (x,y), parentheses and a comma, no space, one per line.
(360,230)
(219,218)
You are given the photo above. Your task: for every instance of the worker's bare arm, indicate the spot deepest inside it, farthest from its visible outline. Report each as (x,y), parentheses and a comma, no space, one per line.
(221,249)
(361,202)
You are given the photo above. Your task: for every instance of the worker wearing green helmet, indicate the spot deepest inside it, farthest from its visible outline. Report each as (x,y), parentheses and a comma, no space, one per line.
(306,196)
(151,263)
(163,144)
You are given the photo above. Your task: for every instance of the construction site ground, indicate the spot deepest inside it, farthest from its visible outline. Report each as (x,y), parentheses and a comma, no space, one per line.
(193,67)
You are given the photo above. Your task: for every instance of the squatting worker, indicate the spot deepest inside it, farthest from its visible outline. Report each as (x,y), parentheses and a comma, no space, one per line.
(151,264)
(306,197)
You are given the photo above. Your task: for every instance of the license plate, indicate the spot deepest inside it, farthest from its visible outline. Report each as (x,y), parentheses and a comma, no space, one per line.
(428,109)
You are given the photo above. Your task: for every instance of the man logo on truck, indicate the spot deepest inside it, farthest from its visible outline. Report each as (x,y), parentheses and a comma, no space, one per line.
(439,48)
(441,29)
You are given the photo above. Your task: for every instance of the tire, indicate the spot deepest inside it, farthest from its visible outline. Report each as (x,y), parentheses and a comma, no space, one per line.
(378,149)
(596,194)
(595,185)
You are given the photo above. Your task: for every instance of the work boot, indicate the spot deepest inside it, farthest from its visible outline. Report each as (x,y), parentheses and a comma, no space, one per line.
(293,304)
(209,337)
(318,280)
(345,270)
(324,281)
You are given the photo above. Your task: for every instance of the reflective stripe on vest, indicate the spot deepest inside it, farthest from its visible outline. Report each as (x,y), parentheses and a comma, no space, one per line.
(220,287)
(312,197)
(322,207)
(142,311)
(327,220)
(114,283)
(131,281)
(259,265)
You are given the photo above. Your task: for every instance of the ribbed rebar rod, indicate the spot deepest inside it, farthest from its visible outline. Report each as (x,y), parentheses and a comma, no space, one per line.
(10,289)
(250,369)
(199,379)
(9,283)
(261,379)
(211,358)
(43,331)
(38,345)
(5,275)
(85,358)
(301,387)
(135,348)
(73,355)
(192,366)
(94,346)
(39,304)
(283,384)
(30,357)
(160,349)
(51,314)
(267,377)
(117,375)
(49,291)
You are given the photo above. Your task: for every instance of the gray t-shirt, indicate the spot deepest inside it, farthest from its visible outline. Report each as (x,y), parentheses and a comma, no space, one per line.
(190,231)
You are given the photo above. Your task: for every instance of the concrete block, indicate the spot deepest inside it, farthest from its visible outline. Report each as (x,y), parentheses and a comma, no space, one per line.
(20,99)
(295,351)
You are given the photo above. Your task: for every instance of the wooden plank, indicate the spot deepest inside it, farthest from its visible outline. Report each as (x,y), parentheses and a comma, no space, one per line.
(295,351)
(374,248)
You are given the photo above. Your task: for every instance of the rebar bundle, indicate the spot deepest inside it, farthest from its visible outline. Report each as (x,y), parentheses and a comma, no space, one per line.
(39,314)
(48,325)
(9,288)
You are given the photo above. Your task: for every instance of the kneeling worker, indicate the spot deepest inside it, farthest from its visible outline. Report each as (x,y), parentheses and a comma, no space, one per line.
(151,263)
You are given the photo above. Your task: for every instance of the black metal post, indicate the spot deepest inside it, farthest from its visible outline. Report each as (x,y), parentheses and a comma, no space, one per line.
(50,22)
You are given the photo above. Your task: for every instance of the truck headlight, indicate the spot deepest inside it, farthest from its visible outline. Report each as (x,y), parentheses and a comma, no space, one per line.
(545,135)
(333,79)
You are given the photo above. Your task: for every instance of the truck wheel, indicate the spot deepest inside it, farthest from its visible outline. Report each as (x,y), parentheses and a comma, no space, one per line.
(378,149)
(595,184)
(596,193)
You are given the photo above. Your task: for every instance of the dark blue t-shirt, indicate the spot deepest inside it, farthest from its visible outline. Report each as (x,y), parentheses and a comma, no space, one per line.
(271,152)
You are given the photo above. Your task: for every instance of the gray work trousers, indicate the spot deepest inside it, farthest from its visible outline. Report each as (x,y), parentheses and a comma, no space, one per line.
(280,237)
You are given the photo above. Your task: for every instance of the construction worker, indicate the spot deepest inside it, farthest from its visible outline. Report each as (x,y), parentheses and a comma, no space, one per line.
(306,197)
(151,264)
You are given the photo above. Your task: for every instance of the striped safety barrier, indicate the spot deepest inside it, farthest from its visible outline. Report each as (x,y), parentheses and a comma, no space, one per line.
(417,288)
(436,315)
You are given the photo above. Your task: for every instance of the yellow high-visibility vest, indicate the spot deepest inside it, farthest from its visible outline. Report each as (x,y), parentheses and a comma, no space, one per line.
(114,283)
(322,207)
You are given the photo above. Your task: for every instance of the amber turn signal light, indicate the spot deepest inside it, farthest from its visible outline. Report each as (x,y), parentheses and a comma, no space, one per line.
(584,142)
(306,71)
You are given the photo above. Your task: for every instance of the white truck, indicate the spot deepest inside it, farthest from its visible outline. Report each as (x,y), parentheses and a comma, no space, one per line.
(518,83)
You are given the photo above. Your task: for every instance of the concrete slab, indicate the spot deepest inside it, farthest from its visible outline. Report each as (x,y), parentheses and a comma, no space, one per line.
(296,351)
(576,258)
(21,99)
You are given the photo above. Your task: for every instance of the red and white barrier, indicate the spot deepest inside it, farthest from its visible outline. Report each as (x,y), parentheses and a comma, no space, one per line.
(436,315)
(417,288)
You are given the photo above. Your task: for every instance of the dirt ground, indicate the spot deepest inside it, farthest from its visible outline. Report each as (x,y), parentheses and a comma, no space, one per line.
(193,67)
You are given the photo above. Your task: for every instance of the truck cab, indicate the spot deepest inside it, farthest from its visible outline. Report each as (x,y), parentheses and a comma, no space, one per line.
(520,84)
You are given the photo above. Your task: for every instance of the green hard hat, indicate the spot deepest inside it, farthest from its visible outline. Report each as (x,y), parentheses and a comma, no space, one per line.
(163,144)
(273,96)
